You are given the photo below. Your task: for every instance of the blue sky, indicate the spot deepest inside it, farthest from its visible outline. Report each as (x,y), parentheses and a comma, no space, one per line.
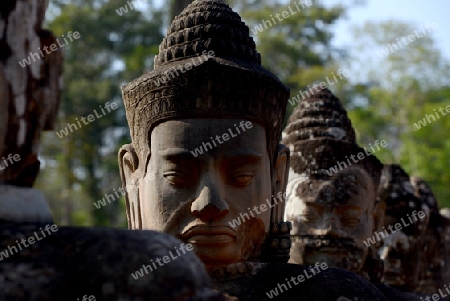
(416,11)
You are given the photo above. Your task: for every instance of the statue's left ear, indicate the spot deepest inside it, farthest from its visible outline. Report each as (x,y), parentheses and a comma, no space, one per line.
(278,241)
(128,166)
(280,177)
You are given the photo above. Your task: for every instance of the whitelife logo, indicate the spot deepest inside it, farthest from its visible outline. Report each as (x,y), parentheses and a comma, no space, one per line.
(406,40)
(53,47)
(193,62)
(166,259)
(265,24)
(423,122)
(380,235)
(90,118)
(243,217)
(11,250)
(10,160)
(244,126)
(342,73)
(300,278)
(360,156)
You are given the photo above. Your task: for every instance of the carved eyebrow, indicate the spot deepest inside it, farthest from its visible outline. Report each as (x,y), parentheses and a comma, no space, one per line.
(180,153)
(240,152)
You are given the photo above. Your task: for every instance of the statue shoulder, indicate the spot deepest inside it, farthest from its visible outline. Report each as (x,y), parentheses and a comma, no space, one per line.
(284,281)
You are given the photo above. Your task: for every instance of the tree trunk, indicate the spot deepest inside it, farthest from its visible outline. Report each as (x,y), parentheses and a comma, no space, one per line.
(30,88)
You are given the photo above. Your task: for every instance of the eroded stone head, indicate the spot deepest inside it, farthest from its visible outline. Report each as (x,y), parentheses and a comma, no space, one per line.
(205,125)
(332,185)
(433,263)
(445,214)
(406,219)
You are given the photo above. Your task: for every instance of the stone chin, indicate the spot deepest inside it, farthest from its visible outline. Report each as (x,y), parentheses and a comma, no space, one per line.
(220,246)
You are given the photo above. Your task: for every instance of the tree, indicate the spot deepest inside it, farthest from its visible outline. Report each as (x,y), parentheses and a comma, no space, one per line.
(294,40)
(405,79)
(29,87)
(112,49)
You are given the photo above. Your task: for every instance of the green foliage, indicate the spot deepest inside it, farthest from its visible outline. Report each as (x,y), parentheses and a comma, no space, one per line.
(405,86)
(298,48)
(111,50)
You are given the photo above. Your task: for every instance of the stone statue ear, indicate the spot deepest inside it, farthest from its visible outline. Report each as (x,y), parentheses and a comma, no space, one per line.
(280,178)
(278,241)
(129,166)
(378,215)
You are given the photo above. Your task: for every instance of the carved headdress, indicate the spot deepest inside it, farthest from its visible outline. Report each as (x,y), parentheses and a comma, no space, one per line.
(320,136)
(207,67)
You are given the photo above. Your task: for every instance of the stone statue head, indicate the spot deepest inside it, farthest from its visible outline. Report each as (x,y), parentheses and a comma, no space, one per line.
(205,126)
(406,219)
(433,261)
(332,186)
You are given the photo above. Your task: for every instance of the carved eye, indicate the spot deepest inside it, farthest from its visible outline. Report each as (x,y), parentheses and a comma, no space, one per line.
(241,180)
(176,178)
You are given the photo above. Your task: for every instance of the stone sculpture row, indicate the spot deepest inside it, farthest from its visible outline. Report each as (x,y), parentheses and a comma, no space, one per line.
(224,233)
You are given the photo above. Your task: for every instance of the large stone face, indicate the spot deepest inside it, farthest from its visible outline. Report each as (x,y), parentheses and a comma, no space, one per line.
(205,126)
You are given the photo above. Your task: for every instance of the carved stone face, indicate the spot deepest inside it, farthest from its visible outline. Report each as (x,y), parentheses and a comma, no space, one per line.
(331,218)
(432,262)
(205,199)
(401,251)
(446,240)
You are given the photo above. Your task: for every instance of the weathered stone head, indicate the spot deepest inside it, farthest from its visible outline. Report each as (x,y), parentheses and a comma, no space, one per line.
(405,222)
(445,214)
(332,186)
(205,125)
(433,255)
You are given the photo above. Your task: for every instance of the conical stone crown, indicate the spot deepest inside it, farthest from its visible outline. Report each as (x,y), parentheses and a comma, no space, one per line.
(207,67)
(321,115)
(207,25)
(322,140)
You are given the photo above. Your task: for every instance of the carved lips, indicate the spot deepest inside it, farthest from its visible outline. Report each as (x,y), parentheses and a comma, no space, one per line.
(209,235)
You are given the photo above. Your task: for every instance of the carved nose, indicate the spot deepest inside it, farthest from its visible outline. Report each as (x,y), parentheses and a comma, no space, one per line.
(209,205)
(329,227)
